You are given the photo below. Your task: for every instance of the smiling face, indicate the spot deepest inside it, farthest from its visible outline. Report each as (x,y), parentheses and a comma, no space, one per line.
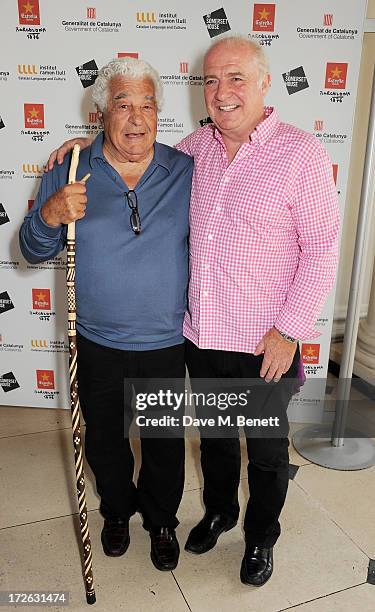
(233,97)
(130,119)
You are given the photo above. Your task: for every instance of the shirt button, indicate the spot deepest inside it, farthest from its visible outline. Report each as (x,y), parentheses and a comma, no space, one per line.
(206,266)
(210,236)
(226,179)
(218,208)
(205,293)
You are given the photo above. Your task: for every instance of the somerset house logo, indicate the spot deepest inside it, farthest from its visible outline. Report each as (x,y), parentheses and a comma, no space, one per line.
(5,302)
(8,382)
(87,73)
(216,22)
(295,80)
(3,215)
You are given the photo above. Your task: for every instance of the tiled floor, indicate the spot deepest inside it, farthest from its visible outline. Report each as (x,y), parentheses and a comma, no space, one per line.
(321,560)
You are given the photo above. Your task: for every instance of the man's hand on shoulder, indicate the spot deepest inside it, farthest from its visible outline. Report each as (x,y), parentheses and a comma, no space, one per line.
(66,205)
(278,355)
(59,154)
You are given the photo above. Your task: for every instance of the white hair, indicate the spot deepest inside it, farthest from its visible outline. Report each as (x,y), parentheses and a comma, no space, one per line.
(130,68)
(259,56)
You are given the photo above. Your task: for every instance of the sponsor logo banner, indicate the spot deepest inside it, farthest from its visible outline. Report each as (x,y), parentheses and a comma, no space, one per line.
(295,80)
(3,215)
(264,17)
(28,12)
(8,382)
(45,379)
(5,302)
(34,116)
(216,22)
(310,353)
(336,75)
(41,299)
(126,54)
(87,73)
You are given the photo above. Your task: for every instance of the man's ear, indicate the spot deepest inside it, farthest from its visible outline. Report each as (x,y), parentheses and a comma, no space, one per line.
(266,84)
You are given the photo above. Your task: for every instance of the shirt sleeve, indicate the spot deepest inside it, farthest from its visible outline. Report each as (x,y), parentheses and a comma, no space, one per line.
(189,145)
(316,216)
(39,241)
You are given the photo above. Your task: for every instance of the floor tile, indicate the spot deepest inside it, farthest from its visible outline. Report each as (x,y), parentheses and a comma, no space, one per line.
(306,561)
(38,476)
(16,420)
(361,598)
(45,556)
(348,497)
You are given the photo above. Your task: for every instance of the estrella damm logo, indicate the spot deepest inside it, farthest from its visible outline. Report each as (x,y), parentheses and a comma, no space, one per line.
(148,17)
(335,169)
(336,75)
(28,12)
(127,54)
(34,116)
(264,17)
(32,169)
(45,379)
(41,299)
(27,69)
(39,344)
(310,353)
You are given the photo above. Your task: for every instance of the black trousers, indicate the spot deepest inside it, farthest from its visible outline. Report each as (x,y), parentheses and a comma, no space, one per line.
(268,459)
(108,416)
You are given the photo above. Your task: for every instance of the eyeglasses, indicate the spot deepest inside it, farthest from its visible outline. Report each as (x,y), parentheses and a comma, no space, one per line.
(135,220)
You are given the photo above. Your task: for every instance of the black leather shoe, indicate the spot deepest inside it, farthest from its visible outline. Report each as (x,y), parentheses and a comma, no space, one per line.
(165,550)
(115,537)
(257,565)
(204,536)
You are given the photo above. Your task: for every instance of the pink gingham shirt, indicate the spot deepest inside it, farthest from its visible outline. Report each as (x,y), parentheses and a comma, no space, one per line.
(264,233)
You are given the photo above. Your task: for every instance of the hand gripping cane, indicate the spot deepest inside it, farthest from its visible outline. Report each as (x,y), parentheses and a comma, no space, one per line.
(74,402)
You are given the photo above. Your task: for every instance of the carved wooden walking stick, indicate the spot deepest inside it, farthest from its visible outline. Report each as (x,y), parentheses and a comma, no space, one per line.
(74,402)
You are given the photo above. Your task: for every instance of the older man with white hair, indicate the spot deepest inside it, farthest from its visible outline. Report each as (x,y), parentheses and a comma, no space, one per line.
(264,229)
(131,277)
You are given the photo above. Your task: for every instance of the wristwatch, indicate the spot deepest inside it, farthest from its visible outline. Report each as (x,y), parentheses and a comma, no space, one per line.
(286,336)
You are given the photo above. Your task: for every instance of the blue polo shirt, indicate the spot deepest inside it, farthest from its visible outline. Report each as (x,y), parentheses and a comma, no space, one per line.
(130,290)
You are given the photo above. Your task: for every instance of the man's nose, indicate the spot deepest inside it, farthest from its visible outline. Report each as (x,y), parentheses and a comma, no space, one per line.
(135,115)
(222,90)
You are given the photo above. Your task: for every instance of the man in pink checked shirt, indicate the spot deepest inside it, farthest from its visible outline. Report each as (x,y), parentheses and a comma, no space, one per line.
(263,253)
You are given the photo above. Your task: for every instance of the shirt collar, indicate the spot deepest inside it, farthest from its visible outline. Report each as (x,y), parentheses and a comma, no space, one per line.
(161,154)
(262,132)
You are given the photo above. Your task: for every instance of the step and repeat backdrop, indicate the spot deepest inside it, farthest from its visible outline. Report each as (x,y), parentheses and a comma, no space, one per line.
(51,52)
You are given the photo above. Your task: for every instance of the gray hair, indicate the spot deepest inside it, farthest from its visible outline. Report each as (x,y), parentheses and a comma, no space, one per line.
(130,68)
(260,58)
